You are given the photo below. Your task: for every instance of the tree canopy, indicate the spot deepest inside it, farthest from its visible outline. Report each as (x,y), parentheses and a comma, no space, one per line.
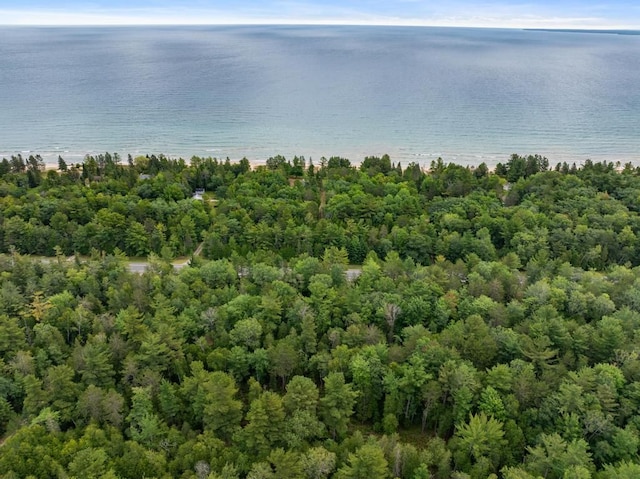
(342,321)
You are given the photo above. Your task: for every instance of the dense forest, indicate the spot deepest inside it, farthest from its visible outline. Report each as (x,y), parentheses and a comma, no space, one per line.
(491,330)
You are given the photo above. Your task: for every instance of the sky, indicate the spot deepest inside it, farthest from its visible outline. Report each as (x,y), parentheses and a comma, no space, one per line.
(600,14)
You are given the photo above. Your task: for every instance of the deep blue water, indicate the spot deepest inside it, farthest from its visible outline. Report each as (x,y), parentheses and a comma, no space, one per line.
(468,95)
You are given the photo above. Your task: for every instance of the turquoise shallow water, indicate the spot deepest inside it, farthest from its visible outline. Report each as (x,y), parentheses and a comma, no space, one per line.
(467,95)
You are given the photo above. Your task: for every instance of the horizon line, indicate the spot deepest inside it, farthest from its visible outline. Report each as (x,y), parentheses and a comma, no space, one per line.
(577,29)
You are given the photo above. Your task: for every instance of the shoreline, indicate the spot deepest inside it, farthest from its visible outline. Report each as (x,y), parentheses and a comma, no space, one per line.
(424,160)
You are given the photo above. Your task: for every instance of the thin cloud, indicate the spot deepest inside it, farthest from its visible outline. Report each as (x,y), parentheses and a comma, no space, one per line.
(403,12)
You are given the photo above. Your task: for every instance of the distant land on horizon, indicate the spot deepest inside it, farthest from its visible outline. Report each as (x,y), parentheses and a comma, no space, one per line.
(584,30)
(610,31)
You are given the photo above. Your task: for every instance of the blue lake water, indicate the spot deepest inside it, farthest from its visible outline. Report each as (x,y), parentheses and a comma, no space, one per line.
(467,95)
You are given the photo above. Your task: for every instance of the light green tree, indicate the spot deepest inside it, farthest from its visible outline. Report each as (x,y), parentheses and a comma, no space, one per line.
(368,462)
(265,424)
(553,456)
(478,444)
(336,406)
